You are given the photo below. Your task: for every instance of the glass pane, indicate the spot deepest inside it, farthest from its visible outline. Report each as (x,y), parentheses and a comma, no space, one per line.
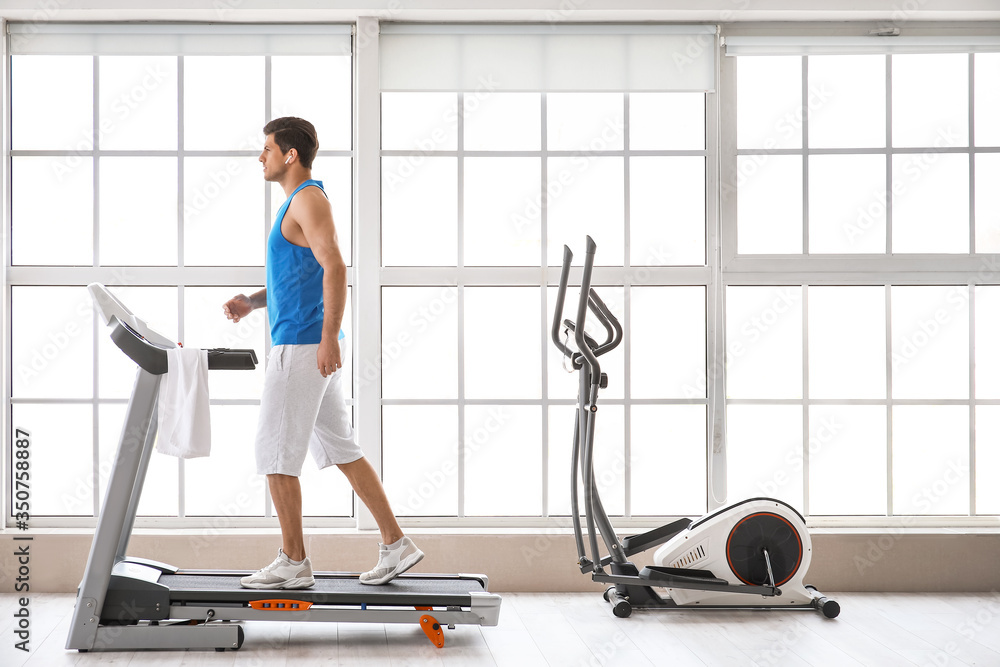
(586,122)
(419,121)
(138,211)
(52,103)
(847,442)
(226,483)
(668,437)
(987,459)
(157,307)
(590,201)
(160,490)
(847,204)
(566,385)
(930,100)
(847,342)
(62,457)
(667,210)
(764,457)
(503,226)
(317,88)
(930,342)
(206,327)
(337,178)
(419,211)
(769,204)
(48,229)
(987,202)
(503,121)
(420,459)
(325,492)
(987,361)
(987,99)
(503,443)
(764,342)
(648,130)
(667,335)
(930,203)
(419,343)
(223,198)
(503,357)
(223,102)
(609,459)
(930,459)
(138,102)
(769,102)
(52,341)
(847,101)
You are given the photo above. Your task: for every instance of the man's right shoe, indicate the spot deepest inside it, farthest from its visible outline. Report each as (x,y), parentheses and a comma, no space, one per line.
(282,573)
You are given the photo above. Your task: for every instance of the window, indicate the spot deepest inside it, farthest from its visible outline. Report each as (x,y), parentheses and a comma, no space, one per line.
(859,296)
(134,163)
(486,174)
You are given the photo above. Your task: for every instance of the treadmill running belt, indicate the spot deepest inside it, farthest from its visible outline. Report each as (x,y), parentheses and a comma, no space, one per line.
(403,591)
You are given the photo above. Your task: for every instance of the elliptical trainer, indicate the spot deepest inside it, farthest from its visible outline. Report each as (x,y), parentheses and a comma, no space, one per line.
(753,553)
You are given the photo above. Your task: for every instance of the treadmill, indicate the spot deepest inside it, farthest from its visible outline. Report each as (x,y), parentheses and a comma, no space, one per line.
(126,604)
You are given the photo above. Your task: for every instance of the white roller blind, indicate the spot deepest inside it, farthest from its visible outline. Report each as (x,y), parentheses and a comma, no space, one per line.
(547,58)
(824,45)
(177,39)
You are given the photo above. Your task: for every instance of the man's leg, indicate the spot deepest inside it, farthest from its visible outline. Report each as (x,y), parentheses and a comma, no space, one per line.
(365,482)
(286,492)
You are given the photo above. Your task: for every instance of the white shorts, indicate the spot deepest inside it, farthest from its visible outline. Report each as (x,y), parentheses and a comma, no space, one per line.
(302,410)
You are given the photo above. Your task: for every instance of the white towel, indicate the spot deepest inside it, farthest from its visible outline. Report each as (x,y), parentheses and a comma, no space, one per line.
(184,427)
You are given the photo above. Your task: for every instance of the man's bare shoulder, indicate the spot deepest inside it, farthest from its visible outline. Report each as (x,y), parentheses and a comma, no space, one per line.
(310,203)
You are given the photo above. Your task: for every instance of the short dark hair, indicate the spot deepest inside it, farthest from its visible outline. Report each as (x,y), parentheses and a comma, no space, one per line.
(291,132)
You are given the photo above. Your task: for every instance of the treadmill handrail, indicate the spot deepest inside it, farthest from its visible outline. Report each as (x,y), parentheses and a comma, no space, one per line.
(153,359)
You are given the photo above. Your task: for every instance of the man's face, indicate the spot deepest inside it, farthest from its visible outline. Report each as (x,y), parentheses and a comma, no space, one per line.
(272,159)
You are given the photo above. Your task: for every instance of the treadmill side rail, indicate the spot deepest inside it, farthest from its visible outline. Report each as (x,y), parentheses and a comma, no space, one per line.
(487,607)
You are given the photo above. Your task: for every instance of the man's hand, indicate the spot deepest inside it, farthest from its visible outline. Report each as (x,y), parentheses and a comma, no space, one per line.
(328,356)
(238,307)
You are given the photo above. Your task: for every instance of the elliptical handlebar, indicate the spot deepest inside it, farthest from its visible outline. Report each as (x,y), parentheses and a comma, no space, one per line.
(588,348)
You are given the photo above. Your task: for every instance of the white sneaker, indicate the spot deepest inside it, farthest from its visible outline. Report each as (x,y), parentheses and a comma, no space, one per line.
(282,573)
(393,562)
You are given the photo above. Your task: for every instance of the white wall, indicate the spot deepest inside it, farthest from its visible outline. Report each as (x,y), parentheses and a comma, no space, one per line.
(509,10)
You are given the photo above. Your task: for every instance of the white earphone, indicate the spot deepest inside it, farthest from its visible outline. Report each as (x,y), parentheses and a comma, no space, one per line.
(289,159)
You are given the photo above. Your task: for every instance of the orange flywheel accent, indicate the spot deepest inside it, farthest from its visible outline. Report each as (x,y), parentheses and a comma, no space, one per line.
(432,629)
(280,605)
(424,608)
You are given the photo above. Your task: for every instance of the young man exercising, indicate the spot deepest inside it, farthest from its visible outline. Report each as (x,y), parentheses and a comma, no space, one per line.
(302,406)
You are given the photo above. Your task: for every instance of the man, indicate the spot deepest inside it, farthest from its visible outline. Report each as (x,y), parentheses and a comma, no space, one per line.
(302,406)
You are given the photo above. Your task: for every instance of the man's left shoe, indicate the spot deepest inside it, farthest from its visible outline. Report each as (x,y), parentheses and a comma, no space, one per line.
(393,562)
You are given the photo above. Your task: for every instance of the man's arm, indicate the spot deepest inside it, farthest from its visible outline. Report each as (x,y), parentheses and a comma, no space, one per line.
(313,215)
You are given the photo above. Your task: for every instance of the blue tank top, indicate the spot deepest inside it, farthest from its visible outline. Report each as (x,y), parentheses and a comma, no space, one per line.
(294,286)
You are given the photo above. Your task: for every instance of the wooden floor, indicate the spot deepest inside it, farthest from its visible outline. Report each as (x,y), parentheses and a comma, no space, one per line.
(874,629)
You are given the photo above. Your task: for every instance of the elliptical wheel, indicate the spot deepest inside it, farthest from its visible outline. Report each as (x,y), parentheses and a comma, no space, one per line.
(748,541)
